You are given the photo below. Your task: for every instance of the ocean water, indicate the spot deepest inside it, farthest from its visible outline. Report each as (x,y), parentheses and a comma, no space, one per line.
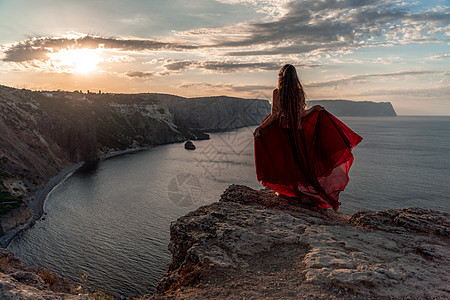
(112,223)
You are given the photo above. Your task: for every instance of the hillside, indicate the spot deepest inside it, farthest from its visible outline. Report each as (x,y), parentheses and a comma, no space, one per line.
(44,132)
(217,113)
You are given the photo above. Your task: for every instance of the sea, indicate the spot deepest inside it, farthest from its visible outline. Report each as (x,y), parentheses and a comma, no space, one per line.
(110,225)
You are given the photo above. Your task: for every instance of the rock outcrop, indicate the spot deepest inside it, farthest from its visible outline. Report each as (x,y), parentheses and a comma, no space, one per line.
(347,108)
(18,281)
(254,244)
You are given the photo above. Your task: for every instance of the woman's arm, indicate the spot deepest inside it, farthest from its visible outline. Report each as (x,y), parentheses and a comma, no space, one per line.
(275,102)
(264,124)
(272,116)
(310,110)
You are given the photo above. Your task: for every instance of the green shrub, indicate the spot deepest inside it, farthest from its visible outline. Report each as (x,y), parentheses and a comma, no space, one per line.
(8,201)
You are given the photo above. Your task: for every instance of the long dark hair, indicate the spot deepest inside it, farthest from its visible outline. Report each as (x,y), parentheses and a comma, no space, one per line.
(291,97)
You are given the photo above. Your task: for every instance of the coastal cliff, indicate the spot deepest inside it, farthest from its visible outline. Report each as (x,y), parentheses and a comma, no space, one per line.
(43,133)
(253,244)
(220,113)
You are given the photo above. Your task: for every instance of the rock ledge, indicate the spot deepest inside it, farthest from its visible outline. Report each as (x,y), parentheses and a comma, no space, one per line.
(254,244)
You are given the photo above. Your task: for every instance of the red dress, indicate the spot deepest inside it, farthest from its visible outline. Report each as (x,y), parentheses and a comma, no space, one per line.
(312,161)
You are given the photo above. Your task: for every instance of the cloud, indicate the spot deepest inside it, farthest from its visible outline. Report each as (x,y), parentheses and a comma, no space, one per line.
(120,59)
(229,87)
(38,48)
(227,66)
(379,60)
(307,27)
(441,56)
(139,74)
(136,20)
(205,85)
(178,65)
(300,32)
(24,52)
(272,8)
(281,50)
(429,93)
(416,101)
(363,77)
(325,26)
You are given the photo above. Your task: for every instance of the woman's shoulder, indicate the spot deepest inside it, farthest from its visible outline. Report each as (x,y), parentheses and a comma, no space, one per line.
(275,94)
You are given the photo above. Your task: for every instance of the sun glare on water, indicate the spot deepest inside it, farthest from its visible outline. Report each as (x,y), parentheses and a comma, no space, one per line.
(80,61)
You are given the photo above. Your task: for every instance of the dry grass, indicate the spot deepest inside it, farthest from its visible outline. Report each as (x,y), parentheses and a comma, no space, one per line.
(49,277)
(93,291)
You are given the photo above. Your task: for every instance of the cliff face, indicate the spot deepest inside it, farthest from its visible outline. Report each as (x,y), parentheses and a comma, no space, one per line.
(42,133)
(254,244)
(218,113)
(347,108)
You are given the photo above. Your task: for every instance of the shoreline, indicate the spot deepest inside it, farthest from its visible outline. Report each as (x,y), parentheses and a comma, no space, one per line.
(36,204)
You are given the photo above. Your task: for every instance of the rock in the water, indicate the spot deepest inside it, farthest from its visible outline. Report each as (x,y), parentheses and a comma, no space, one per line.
(254,244)
(189,145)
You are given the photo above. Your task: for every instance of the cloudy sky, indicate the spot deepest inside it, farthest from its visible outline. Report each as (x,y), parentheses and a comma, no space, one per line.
(394,51)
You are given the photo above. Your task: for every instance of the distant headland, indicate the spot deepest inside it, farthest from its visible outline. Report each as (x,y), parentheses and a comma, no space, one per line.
(348,108)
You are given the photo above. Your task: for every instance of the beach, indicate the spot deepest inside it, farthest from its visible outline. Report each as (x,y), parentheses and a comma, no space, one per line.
(36,204)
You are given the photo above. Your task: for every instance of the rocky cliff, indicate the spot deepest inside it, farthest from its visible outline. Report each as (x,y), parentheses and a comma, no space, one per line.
(255,245)
(19,281)
(44,132)
(347,108)
(218,113)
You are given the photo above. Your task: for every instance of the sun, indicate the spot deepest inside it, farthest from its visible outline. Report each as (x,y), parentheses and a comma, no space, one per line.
(80,61)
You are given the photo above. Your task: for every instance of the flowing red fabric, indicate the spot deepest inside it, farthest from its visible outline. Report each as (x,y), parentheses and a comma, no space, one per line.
(312,161)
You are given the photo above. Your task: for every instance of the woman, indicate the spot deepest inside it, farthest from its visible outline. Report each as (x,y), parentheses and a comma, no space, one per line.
(300,152)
